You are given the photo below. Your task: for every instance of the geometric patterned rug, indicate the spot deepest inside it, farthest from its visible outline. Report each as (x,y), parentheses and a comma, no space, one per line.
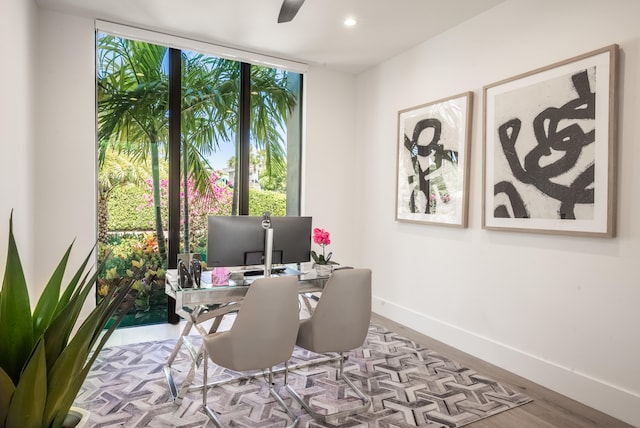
(409,386)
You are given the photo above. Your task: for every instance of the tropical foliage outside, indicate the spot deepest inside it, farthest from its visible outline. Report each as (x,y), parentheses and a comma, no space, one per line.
(133,94)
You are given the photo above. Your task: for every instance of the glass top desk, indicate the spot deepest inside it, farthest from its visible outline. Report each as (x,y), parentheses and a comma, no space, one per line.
(197,305)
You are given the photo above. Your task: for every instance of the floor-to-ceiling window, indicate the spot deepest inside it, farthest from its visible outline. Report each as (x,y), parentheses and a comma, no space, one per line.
(184,134)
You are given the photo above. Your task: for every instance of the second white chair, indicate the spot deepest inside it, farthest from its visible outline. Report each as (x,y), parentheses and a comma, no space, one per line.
(339,323)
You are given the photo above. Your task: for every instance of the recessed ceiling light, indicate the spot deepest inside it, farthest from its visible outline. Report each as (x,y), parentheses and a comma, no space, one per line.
(350,22)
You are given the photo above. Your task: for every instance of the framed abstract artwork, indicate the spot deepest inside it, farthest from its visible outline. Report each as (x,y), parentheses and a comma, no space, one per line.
(550,148)
(433,162)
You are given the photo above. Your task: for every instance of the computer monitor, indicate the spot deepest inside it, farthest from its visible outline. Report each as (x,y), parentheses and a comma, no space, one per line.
(239,240)
(291,239)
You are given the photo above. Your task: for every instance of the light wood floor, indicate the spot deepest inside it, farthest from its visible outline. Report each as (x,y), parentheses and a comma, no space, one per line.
(548,409)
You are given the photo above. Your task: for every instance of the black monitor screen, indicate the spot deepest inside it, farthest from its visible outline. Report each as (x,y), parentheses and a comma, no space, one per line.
(239,240)
(291,239)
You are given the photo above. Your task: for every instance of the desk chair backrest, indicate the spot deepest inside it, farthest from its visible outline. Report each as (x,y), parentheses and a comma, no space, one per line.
(341,319)
(264,331)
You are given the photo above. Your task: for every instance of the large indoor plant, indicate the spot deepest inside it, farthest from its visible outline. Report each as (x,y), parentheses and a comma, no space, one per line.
(45,357)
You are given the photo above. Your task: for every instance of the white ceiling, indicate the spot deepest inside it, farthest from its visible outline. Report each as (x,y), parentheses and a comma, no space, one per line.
(316,35)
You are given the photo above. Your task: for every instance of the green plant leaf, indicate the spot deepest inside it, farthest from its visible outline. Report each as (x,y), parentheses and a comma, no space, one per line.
(48,301)
(73,284)
(7,389)
(28,401)
(71,367)
(69,362)
(15,313)
(58,332)
(40,379)
(78,379)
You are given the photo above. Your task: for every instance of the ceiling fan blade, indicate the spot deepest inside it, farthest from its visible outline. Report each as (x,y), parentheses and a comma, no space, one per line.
(289,10)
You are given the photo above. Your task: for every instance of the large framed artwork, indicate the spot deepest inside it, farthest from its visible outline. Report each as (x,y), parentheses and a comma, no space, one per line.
(433,161)
(550,148)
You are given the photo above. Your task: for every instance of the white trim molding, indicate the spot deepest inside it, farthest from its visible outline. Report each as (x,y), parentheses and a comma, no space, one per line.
(177,42)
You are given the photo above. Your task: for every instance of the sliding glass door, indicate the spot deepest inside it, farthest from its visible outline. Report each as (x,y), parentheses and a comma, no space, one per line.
(183,135)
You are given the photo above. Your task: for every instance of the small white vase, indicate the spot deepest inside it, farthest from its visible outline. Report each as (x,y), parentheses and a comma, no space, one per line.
(323,270)
(76,418)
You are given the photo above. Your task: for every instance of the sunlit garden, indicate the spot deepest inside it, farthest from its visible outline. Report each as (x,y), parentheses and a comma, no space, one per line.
(133,247)
(134,144)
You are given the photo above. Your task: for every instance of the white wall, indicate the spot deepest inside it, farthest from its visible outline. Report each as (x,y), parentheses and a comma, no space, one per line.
(332,186)
(65,159)
(562,311)
(17,116)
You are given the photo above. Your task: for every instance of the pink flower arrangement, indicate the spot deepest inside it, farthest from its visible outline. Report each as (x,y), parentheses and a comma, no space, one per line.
(322,238)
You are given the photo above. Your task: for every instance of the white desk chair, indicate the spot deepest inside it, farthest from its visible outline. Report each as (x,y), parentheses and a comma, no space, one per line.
(262,335)
(339,324)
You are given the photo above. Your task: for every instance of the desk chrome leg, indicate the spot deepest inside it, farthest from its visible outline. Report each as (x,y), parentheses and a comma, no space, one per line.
(216,324)
(173,389)
(177,394)
(306,297)
(197,357)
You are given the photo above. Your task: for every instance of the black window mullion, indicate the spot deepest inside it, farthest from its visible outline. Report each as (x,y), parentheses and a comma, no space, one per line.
(175,111)
(244,138)
(175,107)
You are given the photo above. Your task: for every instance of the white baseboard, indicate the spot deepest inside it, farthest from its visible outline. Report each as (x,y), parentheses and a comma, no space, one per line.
(610,399)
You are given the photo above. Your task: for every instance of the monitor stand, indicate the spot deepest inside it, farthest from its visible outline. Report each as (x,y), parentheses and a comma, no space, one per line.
(268,251)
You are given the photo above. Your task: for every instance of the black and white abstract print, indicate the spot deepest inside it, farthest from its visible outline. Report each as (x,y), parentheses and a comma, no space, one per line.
(431,161)
(544,158)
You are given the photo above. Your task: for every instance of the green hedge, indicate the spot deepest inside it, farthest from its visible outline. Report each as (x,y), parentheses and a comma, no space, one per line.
(128,209)
(264,200)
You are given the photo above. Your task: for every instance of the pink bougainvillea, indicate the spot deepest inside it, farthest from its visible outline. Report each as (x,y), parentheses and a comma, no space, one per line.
(217,199)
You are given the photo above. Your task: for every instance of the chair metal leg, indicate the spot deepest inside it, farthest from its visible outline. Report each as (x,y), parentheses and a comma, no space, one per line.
(209,411)
(366,401)
(274,393)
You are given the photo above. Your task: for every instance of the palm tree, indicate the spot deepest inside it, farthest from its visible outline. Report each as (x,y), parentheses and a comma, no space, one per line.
(133,106)
(115,171)
(208,115)
(272,101)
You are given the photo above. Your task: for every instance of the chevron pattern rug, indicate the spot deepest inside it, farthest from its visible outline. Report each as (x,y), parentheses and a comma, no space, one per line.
(409,386)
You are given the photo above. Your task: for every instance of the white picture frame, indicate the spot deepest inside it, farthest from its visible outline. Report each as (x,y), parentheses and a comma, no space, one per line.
(433,162)
(549,148)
